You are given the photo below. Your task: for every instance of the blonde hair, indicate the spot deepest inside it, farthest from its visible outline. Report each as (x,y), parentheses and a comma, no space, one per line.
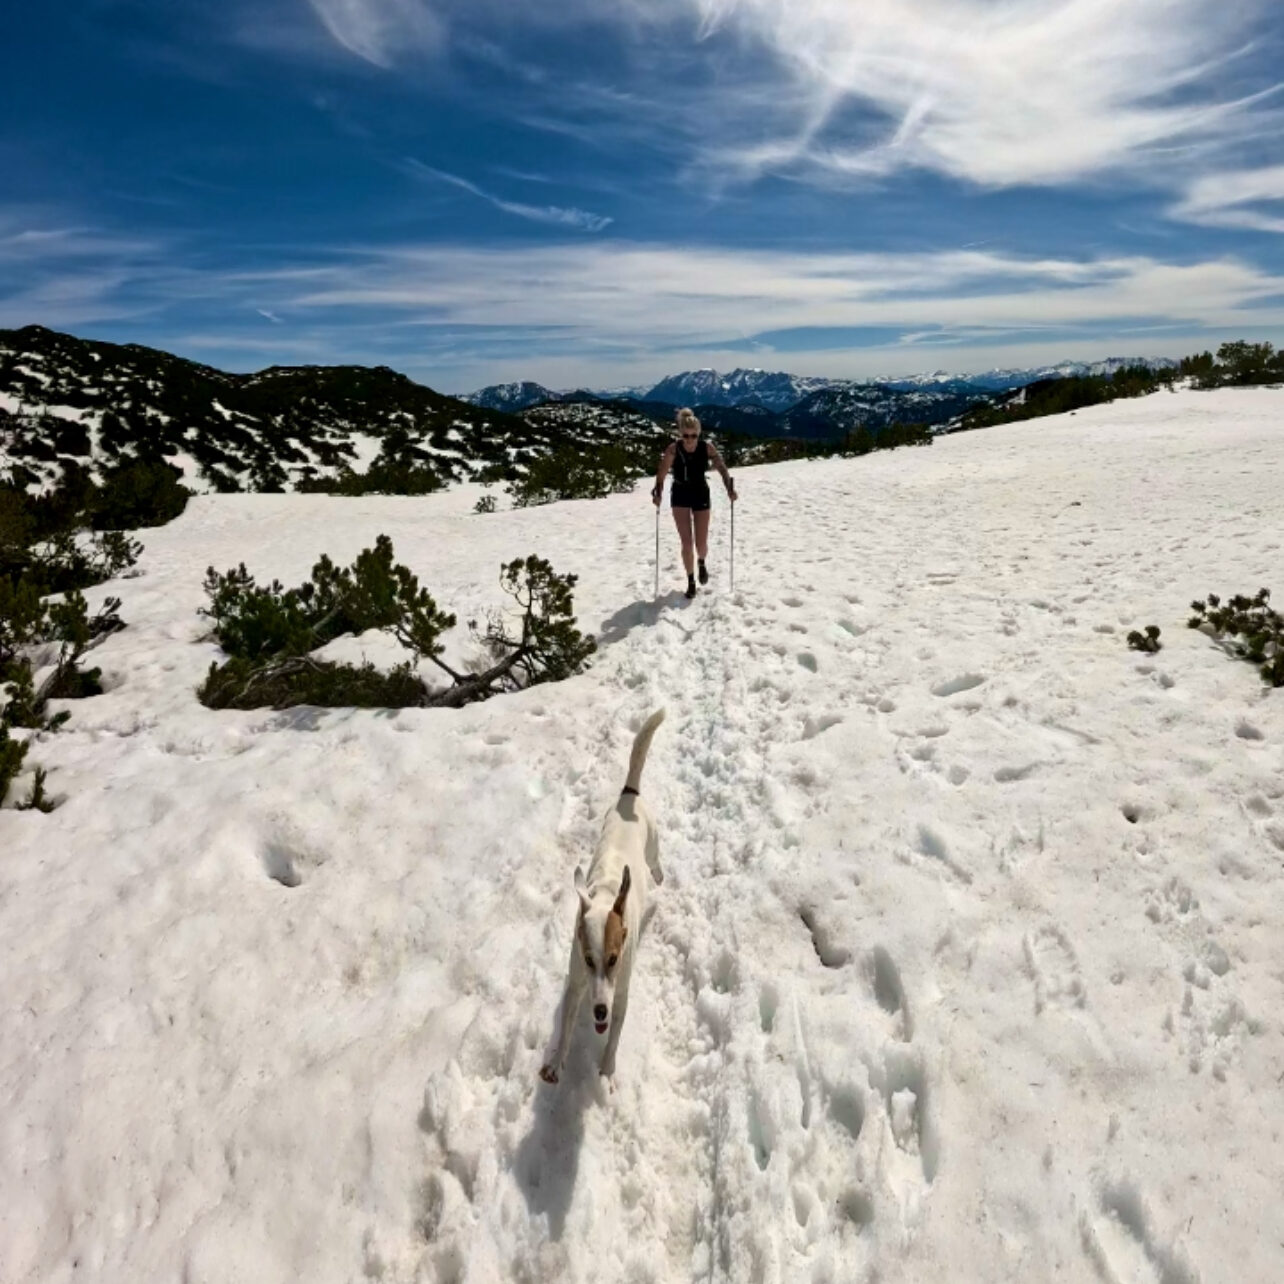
(687,419)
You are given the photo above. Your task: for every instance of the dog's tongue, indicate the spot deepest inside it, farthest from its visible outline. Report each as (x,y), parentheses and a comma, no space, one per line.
(600,1026)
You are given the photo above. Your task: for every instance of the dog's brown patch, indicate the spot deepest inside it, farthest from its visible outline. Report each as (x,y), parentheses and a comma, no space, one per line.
(614,936)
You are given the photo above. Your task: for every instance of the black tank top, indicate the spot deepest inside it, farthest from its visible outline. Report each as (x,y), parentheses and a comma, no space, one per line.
(689,468)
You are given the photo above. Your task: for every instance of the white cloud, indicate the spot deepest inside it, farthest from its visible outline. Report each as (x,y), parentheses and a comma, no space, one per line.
(1236,200)
(1035,91)
(1019,92)
(660,298)
(27,239)
(557,215)
(378,30)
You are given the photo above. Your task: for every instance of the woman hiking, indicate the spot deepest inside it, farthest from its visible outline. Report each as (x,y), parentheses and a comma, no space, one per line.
(689,458)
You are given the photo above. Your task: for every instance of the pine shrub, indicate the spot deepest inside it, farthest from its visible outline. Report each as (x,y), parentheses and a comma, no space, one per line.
(269,634)
(576,472)
(37,799)
(1248,628)
(139,493)
(1147,641)
(295,680)
(256,624)
(12,752)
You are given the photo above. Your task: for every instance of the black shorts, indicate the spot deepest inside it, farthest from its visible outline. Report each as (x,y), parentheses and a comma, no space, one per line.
(692,495)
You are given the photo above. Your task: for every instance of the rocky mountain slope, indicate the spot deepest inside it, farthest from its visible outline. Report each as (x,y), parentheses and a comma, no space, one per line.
(69,401)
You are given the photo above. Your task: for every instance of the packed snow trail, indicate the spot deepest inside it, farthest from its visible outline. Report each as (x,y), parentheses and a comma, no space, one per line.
(965,965)
(716,1070)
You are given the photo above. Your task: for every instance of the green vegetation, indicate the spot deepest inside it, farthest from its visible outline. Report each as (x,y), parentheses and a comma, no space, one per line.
(1147,641)
(264,431)
(52,546)
(1247,628)
(739,451)
(1237,364)
(269,635)
(136,494)
(577,471)
(1058,396)
(12,754)
(402,467)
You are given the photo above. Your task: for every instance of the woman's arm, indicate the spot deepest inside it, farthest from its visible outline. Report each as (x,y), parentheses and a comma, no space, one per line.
(716,460)
(666,462)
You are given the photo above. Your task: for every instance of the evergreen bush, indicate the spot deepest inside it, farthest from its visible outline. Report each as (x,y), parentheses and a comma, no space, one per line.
(1248,628)
(138,493)
(577,471)
(45,560)
(12,753)
(1147,641)
(37,799)
(270,632)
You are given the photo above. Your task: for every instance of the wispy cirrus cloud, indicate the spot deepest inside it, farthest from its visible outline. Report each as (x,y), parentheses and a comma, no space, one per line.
(587,311)
(1025,92)
(1038,91)
(377,30)
(61,273)
(1251,198)
(555,215)
(662,296)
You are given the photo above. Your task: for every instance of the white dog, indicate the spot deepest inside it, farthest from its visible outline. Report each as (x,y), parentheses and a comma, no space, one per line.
(612,902)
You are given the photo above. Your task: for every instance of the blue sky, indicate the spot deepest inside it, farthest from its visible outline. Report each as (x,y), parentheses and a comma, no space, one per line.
(611,190)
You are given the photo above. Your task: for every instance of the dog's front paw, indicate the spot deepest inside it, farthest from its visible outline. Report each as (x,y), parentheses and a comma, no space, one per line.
(608,1078)
(548,1074)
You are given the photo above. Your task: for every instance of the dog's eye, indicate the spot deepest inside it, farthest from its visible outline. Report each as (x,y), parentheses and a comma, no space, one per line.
(611,962)
(588,962)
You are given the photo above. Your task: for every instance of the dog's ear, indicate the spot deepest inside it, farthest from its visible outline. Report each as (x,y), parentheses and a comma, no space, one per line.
(625,883)
(581,889)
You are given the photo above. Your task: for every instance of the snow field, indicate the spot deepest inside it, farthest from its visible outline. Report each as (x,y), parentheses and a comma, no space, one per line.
(966,962)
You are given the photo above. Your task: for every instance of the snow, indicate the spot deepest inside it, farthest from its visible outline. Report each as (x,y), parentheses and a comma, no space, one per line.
(73,413)
(366,448)
(190,467)
(966,965)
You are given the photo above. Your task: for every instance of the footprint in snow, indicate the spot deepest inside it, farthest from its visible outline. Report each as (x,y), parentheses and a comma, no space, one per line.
(1054,969)
(931,849)
(907,1099)
(889,992)
(1121,1242)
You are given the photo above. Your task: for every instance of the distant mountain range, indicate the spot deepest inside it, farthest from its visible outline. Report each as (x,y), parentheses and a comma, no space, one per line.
(780,392)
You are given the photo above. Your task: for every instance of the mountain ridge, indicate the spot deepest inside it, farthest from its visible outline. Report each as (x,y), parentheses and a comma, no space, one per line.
(781,391)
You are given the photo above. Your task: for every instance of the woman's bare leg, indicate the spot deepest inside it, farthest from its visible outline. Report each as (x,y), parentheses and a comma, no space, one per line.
(701,520)
(682,520)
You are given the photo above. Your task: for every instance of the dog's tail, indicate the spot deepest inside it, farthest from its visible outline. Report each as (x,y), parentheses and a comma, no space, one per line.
(641,744)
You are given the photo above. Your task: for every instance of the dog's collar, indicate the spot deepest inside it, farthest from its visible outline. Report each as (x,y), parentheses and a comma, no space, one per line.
(628,789)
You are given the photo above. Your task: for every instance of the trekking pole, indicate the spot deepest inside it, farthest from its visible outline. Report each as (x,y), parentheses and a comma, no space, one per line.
(733,543)
(657,550)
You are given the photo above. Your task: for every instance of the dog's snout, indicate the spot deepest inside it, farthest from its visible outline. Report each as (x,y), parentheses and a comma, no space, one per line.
(599,1012)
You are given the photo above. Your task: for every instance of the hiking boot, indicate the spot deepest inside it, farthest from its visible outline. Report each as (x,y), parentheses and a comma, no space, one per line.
(704,574)
(690,586)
